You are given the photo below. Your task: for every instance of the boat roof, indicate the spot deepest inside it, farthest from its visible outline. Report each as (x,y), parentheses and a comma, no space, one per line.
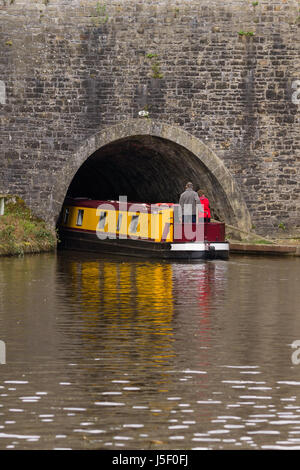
(109,204)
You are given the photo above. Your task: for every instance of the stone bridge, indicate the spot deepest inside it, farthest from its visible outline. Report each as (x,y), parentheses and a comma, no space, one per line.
(137,97)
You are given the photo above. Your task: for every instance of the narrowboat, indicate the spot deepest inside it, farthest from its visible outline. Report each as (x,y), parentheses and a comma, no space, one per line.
(138,229)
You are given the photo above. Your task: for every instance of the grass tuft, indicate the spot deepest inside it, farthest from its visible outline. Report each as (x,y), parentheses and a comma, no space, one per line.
(22,232)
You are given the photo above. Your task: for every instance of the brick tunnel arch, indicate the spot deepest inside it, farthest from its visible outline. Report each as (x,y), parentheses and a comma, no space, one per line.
(149,161)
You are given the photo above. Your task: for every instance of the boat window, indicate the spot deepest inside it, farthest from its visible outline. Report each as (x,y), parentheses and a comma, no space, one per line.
(134,223)
(119,222)
(79,217)
(177,214)
(102,220)
(66,215)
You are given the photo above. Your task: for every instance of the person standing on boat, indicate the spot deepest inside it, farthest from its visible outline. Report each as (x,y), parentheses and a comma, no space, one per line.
(204,214)
(190,203)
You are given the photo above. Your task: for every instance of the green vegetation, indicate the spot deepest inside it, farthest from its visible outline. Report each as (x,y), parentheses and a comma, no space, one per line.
(156,73)
(151,56)
(253,241)
(282,226)
(261,242)
(100,17)
(155,67)
(246,33)
(254,4)
(21,232)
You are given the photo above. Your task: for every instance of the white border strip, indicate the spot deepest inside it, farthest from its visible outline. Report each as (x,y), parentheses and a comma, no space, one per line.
(199,246)
(220,246)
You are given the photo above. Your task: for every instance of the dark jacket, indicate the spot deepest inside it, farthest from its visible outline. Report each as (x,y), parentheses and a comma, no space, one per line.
(191,198)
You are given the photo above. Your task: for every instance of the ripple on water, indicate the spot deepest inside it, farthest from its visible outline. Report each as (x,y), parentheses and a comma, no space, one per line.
(109,403)
(229,413)
(20,382)
(90,431)
(289,382)
(18,436)
(134,426)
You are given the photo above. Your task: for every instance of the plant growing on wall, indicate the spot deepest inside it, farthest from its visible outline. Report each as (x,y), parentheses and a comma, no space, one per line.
(155,67)
(150,55)
(101,16)
(282,226)
(246,33)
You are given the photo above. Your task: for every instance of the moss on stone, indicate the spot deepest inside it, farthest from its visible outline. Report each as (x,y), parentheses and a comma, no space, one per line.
(21,232)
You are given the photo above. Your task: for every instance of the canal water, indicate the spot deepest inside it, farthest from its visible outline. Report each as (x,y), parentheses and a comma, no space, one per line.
(119,353)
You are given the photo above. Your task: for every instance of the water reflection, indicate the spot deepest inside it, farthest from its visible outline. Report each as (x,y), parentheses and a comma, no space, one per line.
(132,308)
(111,353)
(125,307)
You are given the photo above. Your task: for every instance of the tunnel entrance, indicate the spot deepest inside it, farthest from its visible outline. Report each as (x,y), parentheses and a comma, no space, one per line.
(151,162)
(146,169)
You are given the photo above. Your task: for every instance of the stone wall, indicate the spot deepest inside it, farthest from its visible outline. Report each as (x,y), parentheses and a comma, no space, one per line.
(225,72)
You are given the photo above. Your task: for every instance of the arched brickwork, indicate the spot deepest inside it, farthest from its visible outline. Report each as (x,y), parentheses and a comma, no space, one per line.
(179,156)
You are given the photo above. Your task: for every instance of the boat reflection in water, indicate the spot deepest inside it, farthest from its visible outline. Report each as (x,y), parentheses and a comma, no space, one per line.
(109,352)
(123,307)
(132,310)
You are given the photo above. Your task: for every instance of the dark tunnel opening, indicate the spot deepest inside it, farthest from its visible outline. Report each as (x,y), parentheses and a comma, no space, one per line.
(147,169)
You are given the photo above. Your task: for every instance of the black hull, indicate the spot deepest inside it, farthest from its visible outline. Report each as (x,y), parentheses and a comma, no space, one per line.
(84,241)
